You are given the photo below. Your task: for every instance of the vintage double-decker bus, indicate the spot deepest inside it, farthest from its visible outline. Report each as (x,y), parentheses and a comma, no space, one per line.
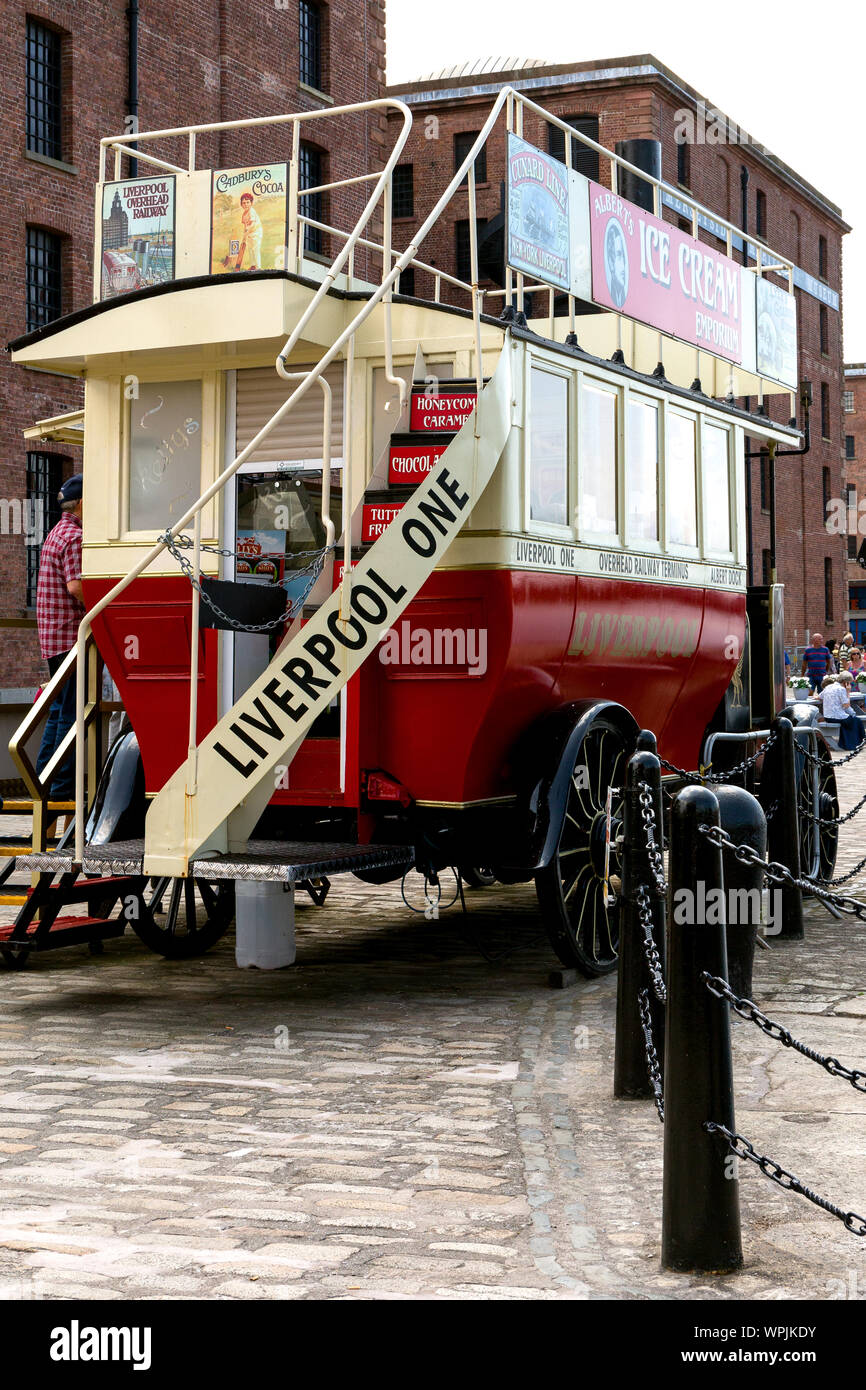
(384,580)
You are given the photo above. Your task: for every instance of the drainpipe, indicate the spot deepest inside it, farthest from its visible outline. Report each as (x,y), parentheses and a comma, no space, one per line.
(744,224)
(132,74)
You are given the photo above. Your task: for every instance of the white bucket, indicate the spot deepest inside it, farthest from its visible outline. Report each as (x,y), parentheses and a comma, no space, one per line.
(264,925)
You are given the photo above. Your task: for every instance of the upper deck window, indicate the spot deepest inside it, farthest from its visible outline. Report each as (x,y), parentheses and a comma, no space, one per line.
(597,460)
(642,470)
(165,430)
(681,488)
(548,449)
(717,496)
(44,133)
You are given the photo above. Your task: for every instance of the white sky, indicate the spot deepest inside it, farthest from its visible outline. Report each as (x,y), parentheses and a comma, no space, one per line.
(792,76)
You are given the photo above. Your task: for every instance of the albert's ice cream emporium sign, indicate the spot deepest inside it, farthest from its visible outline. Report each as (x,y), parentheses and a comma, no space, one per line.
(653,272)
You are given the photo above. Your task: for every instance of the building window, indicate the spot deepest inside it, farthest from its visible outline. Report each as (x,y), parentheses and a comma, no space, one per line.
(822,257)
(583,159)
(407,281)
(825,410)
(828,589)
(44,277)
(463,250)
(849,446)
(823,329)
(462,145)
(848,402)
(766,566)
(825,476)
(44,133)
(403,186)
(310,44)
(852,546)
(311,173)
(44,476)
(765,482)
(683,162)
(760,213)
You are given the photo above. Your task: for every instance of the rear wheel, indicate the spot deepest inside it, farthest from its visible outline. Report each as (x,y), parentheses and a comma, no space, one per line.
(184,917)
(583,930)
(817,795)
(475,876)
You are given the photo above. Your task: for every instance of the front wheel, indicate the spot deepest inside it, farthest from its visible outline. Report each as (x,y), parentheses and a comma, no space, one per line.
(183,917)
(583,930)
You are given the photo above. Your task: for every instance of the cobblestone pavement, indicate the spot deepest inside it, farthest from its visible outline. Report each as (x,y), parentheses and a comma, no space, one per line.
(397,1117)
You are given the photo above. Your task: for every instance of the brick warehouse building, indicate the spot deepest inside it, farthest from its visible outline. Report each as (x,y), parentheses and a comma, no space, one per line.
(637,97)
(854,426)
(65,82)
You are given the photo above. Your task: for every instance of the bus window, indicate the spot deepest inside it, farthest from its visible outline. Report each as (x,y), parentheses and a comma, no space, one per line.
(548,449)
(717,518)
(642,471)
(680,490)
(164,453)
(597,460)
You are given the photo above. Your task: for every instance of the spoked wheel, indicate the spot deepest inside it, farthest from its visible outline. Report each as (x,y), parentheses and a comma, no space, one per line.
(475,876)
(184,917)
(582,929)
(817,795)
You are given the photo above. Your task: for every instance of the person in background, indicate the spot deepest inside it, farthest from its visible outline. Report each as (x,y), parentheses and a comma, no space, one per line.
(856,663)
(59,610)
(837,705)
(846,644)
(817,661)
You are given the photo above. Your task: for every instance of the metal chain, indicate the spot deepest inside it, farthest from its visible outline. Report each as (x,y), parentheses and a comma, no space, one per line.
(832,762)
(654,854)
(768,1166)
(653,960)
(731,772)
(749,1010)
(176,545)
(777,873)
(843,878)
(652,1057)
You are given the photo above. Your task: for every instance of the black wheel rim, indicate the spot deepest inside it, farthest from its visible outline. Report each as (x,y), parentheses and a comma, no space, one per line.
(184,910)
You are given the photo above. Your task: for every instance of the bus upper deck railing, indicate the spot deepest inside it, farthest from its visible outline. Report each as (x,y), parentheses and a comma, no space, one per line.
(394,263)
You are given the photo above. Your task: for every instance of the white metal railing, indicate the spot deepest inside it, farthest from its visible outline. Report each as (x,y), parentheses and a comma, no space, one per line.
(394,263)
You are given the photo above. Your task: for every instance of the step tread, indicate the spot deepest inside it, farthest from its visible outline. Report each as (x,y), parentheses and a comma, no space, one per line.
(277,861)
(59,925)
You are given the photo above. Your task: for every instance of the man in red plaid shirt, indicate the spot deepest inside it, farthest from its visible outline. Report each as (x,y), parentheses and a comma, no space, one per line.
(59,610)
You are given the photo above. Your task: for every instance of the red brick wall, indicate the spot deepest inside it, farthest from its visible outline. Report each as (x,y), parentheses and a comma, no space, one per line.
(646,107)
(854,424)
(214,60)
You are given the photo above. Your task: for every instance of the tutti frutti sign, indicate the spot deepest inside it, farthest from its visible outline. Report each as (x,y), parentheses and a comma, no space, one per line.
(662,277)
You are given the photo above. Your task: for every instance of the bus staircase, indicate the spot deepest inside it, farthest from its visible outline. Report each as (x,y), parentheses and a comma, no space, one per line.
(199,824)
(29,853)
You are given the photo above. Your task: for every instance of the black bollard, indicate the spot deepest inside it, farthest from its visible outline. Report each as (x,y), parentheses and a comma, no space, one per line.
(781,804)
(700,1208)
(742,816)
(630,1076)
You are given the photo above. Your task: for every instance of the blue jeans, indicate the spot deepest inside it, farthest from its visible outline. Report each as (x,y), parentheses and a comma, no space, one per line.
(61,717)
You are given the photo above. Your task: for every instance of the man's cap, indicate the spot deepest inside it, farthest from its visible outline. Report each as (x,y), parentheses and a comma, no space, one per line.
(71,489)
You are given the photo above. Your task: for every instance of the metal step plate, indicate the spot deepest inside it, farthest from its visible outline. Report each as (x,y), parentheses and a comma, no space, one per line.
(281,861)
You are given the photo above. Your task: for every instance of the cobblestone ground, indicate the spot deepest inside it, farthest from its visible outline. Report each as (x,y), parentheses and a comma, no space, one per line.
(397,1117)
